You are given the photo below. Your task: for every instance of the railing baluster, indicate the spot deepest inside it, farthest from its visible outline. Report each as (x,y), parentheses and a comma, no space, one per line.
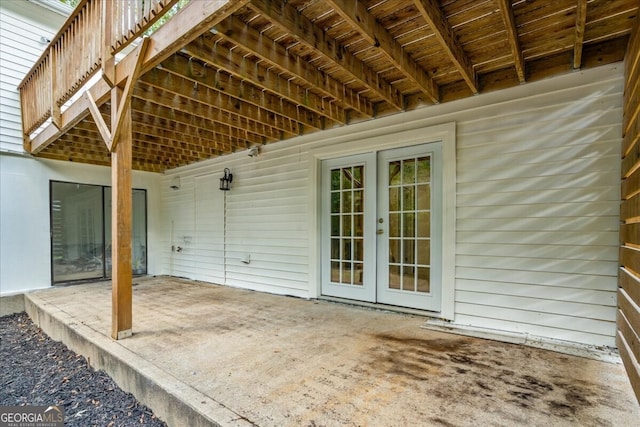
(78,51)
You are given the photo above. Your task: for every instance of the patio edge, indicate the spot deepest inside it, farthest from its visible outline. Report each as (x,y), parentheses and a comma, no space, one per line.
(172,401)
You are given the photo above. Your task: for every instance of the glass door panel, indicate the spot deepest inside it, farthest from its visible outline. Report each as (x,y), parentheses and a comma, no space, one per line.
(81,232)
(138,232)
(347,261)
(405,226)
(76,232)
(381,227)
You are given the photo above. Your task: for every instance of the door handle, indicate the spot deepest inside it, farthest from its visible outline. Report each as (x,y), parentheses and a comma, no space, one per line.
(380,231)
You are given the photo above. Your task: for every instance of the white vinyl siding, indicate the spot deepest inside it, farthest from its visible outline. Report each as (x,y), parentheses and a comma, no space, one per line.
(22,25)
(537,206)
(538,215)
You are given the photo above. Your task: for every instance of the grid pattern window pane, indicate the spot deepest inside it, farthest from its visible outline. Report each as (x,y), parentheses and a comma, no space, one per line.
(409,190)
(347,225)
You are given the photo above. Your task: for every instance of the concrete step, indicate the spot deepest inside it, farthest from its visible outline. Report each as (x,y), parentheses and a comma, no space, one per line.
(172,400)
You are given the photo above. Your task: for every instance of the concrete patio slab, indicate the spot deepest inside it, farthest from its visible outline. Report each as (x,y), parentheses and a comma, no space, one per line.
(210,355)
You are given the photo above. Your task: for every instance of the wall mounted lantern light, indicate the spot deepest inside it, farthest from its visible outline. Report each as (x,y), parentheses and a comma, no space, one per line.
(225,181)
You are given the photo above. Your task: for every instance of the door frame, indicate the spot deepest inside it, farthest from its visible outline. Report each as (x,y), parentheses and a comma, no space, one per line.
(377,140)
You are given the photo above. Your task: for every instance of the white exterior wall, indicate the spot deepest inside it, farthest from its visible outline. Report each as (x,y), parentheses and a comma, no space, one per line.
(23,24)
(25,242)
(538,170)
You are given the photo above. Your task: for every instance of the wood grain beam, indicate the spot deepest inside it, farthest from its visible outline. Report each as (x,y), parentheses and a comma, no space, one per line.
(122,107)
(100,122)
(357,15)
(235,31)
(512,34)
(121,212)
(202,95)
(581,20)
(232,62)
(303,30)
(431,12)
(188,24)
(159,96)
(240,90)
(148,130)
(200,124)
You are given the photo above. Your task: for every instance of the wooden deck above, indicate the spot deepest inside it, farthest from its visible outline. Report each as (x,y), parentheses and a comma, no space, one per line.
(221,76)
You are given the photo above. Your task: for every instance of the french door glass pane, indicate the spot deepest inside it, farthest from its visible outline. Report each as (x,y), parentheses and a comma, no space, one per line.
(76,232)
(409,224)
(347,225)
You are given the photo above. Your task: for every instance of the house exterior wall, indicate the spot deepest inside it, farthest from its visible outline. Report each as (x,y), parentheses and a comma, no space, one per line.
(24,28)
(537,207)
(25,254)
(25,246)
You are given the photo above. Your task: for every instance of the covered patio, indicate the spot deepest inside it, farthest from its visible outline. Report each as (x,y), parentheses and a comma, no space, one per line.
(221,79)
(214,355)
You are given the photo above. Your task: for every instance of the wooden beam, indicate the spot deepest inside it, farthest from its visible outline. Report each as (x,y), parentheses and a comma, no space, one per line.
(431,12)
(272,84)
(274,54)
(198,125)
(121,214)
(358,16)
(302,29)
(158,95)
(512,34)
(105,133)
(188,24)
(581,19)
(125,99)
(242,98)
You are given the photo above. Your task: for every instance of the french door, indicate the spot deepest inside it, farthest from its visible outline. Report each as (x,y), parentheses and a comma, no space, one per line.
(382,226)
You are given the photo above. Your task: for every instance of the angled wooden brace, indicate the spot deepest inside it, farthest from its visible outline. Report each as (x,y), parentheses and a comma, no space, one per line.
(110,137)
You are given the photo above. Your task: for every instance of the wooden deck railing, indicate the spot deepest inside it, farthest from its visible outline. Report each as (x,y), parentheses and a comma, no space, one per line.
(89,39)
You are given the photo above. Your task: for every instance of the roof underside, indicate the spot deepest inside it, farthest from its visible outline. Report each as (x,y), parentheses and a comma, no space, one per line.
(275,70)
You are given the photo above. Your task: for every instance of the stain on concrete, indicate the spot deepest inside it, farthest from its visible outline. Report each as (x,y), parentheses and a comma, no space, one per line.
(289,362)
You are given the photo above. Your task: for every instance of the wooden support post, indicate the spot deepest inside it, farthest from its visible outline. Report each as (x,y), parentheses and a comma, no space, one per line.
(121,217)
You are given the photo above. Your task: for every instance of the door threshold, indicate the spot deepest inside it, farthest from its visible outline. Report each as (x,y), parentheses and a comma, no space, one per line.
(381,307)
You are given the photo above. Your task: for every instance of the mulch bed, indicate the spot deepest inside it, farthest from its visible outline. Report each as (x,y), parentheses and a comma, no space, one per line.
(35,370)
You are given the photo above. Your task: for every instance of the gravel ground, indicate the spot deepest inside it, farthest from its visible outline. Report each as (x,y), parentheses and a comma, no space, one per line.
(35,370)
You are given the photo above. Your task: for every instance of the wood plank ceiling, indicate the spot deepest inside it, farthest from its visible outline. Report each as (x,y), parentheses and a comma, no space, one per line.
(278,69)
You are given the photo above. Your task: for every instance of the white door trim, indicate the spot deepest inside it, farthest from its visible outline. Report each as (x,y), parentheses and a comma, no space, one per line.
(445,133)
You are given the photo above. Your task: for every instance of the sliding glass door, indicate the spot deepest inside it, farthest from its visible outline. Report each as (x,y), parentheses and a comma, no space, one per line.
(81,232)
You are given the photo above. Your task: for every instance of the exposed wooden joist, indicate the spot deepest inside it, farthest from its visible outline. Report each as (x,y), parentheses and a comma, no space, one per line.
(431,12)
(357,15)
(275,55)
(581,19)
(195,93)
(147,130)
(239,90)
(220,130)
(187,25)
(302,29)
(151,94)
(512,34)
(273,84)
